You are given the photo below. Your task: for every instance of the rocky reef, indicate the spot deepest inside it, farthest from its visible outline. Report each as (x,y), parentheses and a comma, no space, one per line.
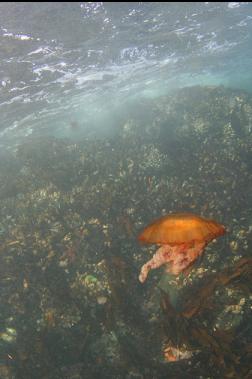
(71,303)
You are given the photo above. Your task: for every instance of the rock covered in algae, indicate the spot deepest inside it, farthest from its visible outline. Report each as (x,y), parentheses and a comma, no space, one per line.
(66,207)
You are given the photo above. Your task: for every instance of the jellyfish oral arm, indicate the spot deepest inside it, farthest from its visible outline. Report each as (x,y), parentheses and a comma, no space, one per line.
(159,258)
(177,258)
(186,256)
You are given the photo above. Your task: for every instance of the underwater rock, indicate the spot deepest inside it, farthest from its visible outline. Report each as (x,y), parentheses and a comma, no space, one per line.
(69,217)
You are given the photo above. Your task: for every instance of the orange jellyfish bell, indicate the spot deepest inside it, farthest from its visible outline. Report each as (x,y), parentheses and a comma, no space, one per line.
(180,228)
(182,236)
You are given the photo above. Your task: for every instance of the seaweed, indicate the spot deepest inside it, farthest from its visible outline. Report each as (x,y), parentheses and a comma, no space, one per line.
(187,327)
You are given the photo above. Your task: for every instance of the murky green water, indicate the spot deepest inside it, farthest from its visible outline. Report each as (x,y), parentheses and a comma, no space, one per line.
(113,115)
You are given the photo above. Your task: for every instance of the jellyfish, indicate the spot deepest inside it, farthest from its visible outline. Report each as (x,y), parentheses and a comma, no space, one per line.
(182,236)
